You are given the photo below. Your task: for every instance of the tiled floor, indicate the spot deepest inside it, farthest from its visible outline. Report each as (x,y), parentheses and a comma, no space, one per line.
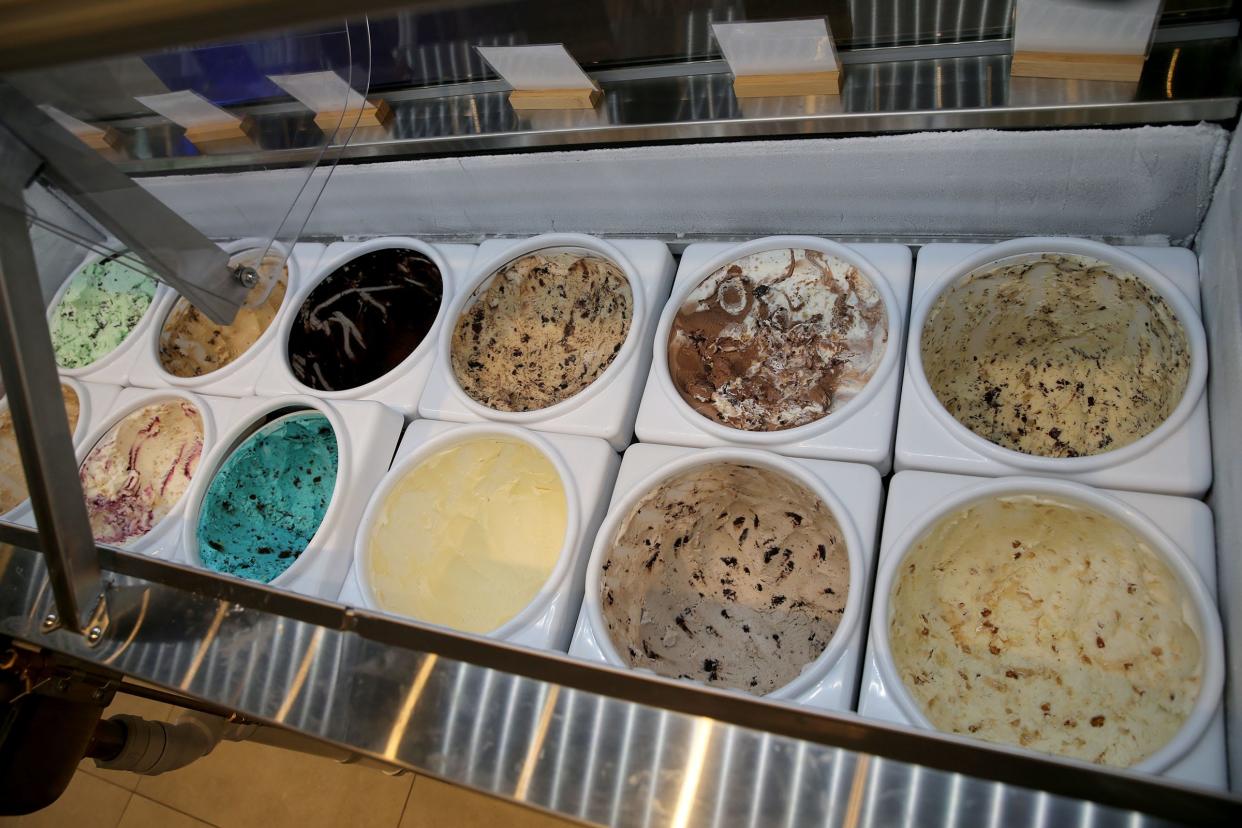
(245,784)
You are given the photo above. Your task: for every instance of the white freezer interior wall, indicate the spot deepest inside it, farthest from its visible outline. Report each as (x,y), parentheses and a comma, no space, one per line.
(1219,246)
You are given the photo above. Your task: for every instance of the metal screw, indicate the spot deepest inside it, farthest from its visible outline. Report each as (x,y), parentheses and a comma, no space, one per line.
(248,276)
(63,685)
(50,622)
(94,634)
(98,694)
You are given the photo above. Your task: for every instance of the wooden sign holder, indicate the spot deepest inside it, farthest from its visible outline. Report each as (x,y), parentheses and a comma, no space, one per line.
(1077,66)
(204,136)
(555,98)
(104,140)
(775,86)
(375,114)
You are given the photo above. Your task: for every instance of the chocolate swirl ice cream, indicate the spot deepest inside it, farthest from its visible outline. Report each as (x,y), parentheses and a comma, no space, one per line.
(777,339)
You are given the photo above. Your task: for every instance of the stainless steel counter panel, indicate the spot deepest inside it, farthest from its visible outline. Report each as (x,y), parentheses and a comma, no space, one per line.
(359,680)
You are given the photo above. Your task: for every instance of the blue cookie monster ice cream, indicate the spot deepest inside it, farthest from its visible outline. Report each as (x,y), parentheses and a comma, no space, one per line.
(268,498)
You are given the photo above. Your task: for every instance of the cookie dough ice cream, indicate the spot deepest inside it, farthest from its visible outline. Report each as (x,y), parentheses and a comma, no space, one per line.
(1043,623)
(777,339)
(140,469)
(13,490)
(541,329)
(364,319)
(191,345)
(1055,355)
(102,305)
(469,536)
(732,575)
(269,497)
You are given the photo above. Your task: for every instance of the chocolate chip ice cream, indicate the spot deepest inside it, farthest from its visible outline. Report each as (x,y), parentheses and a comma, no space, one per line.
(1055,355)
(777,339)
(728,574)
(541,329)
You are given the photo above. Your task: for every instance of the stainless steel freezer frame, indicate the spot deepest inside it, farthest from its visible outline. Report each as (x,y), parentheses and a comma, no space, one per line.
(615,747)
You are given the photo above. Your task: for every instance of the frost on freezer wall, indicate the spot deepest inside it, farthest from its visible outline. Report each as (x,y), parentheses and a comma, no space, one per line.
(1127,183)
(1219,245)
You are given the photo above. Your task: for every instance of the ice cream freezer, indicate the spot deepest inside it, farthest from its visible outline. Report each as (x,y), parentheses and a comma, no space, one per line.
(695,459)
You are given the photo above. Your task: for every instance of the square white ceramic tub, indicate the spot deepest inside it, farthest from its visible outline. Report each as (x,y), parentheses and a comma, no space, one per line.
(400,388)
(239,378)
(1188,523)
(864,437)
(609,413)
(857,486)
(367,434)
(593,465)
(164,539)
(1180,464)
(94,402)
(112,368)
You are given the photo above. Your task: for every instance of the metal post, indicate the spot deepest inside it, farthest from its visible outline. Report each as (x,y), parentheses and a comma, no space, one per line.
(36,406)
(179,254)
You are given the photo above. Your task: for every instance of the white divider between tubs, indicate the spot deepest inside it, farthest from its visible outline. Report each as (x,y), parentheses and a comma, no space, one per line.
(608,412)
(240,377)
(402,387)
(858,488)
(1181,464)
(865,436)
(593,466)
(1188,523)
(94,402)
(366,433)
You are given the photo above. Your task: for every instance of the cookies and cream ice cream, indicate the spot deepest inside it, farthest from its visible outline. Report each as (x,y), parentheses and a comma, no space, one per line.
(541,329)
(469,536)
(140,469)
(777,339)
(268,498)
(728,574)
(1055,355)
(99,309)
(364,319)
(13,490)
(1039,622)
(191,345)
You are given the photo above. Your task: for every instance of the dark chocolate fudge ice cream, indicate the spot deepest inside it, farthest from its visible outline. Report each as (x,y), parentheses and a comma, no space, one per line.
(364,319)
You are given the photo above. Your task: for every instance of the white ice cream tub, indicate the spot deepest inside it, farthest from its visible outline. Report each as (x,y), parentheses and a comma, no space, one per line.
(888,362)
(257,349)
(131,339)
(1170,293)
(232,440)
(814,671)
(551,243)
(139,402)
(326,268)
(561,572)
(1206,617)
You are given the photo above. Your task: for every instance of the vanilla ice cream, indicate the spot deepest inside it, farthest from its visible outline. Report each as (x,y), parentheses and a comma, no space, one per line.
(1042,623)
(469,536)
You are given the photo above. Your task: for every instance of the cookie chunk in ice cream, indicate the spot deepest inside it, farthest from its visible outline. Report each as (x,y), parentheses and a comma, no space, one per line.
(728,574)
(1046,624)
(541,329)
(1055,355)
